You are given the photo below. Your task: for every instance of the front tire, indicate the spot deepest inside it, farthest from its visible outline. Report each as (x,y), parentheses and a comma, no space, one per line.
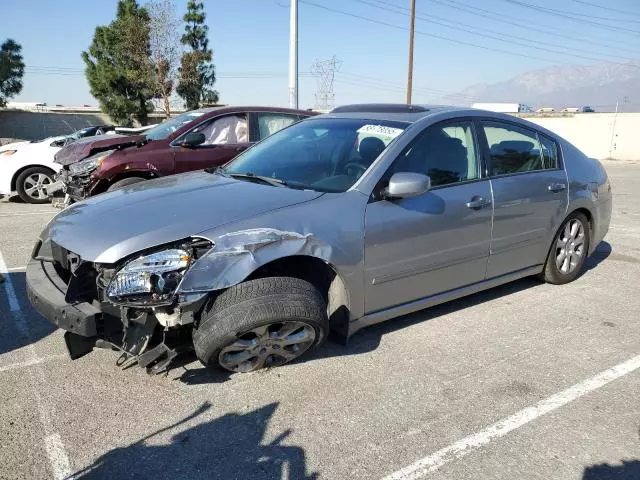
(569,250)
(31,185)
(265,322)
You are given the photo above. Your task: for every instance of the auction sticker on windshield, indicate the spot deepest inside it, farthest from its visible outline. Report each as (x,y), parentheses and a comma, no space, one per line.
(384,133)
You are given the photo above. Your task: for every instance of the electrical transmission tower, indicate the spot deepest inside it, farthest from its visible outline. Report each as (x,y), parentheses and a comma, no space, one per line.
(325,70)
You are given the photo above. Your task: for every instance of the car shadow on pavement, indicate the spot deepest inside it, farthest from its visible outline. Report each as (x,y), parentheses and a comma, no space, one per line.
(369,338)
(627,470)
(600,254)
(234,445)
(23,327)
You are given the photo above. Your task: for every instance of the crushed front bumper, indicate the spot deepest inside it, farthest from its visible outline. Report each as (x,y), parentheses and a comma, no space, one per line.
(76,188)
(46,293)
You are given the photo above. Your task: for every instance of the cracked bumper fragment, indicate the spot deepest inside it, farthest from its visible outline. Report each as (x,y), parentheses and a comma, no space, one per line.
(236,255)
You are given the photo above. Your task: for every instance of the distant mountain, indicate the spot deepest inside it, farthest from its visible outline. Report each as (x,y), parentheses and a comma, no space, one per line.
(561,86)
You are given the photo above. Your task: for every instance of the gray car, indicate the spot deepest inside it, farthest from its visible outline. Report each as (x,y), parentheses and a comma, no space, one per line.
(335,223)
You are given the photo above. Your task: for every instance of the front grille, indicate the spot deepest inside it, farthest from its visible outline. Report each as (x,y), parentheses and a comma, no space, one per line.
(80,277)
(61,262)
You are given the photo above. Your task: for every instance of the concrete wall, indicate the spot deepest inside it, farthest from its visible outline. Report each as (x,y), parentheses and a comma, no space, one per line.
(36,125)
(592,133)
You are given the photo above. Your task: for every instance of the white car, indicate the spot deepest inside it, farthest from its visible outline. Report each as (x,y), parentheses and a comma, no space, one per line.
(28,167)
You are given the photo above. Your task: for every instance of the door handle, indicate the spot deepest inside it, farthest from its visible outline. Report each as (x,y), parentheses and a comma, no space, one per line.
(557,187)
(476,203)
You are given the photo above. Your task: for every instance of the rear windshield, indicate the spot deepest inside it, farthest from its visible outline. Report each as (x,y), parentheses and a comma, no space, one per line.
(162,131)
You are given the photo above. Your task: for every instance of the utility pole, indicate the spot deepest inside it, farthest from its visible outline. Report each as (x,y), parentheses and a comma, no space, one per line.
(411,32)
(293,55)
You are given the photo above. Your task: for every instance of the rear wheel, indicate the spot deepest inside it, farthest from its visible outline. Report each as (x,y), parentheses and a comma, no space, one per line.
(31,184)
(124,182)
(569,250)
(261,323)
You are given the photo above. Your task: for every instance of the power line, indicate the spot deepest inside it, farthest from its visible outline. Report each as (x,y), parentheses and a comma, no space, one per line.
(457,26)
(441,37)
(626,12)
(584,15)
(559,13)
(510,20)
(399,27)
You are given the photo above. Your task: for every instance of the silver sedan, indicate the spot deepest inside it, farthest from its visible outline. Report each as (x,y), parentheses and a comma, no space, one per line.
(337,222)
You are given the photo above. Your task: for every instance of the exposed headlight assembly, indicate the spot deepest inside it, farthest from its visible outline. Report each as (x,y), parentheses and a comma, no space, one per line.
(90,164)
(150,279)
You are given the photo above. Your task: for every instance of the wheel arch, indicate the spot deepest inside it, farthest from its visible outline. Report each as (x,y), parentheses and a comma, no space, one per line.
(105,183)
(16,174)
(321,274)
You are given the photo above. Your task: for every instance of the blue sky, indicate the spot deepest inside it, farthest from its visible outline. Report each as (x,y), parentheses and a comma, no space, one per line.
(250,40)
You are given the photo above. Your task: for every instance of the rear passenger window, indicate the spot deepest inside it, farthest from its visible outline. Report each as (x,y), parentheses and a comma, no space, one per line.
(513,149)
(549,153)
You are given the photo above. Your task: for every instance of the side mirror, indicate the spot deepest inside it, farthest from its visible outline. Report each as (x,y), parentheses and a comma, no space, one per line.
(192,140)
(407,184)
(59,143)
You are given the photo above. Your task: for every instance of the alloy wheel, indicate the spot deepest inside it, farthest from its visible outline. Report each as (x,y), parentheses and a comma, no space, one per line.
(570,246)
(35,185)
(269,345)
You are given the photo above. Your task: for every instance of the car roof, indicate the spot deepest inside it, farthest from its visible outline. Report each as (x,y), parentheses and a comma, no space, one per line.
(399,112)
(242,108)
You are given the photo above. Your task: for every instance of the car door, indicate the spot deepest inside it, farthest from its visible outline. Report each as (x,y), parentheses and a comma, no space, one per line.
(421,246)
(529,193)
(225,137)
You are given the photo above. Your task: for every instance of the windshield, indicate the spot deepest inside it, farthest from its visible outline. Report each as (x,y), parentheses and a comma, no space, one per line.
(325,154)
(80,133)
(162,131)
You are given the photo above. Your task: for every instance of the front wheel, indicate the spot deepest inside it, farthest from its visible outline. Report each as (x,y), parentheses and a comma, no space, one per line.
(265,322)
(32,183)
(569,250)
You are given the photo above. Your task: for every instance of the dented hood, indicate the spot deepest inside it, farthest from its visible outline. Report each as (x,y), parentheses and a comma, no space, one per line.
(85,147)
(108,227)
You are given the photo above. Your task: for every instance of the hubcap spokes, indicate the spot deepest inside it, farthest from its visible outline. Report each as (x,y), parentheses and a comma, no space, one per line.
(570,246)
(267,346)
(34,185)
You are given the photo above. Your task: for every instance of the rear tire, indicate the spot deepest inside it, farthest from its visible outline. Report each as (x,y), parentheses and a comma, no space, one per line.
(260,323)
(31,184)
(568,251)
(124,182)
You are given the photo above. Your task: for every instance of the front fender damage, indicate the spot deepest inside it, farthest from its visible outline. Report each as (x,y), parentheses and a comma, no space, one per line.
(238,254)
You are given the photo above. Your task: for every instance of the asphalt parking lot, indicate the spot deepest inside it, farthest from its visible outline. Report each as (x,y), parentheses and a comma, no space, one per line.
(524,381)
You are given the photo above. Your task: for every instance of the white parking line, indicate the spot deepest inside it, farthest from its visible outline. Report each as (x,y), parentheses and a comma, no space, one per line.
(463,447)
(58,458)
(16,269)
(30,362)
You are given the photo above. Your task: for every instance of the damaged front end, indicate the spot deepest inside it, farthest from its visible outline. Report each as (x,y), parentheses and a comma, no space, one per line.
(78,179)
(132,307)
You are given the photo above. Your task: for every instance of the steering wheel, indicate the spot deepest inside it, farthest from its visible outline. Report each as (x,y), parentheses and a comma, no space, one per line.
(358,166)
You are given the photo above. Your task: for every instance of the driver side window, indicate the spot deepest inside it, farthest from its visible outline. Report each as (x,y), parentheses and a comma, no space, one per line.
(446,152)
(223,130)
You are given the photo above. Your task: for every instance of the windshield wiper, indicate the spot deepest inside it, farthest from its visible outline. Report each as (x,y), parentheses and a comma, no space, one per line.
(276,182)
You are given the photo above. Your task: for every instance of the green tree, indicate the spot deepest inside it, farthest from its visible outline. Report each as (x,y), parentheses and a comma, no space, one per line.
(197,72)
(11,70)
(119,68)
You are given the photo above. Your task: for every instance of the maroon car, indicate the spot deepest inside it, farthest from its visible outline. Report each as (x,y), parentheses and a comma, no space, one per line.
(194,140)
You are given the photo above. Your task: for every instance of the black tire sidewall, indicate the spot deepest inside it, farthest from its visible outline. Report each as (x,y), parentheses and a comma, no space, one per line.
(220,327)
(551,272)
(20,184)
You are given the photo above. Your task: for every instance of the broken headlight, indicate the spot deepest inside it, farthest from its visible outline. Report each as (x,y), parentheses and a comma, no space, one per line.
(151,278)
(90,164)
